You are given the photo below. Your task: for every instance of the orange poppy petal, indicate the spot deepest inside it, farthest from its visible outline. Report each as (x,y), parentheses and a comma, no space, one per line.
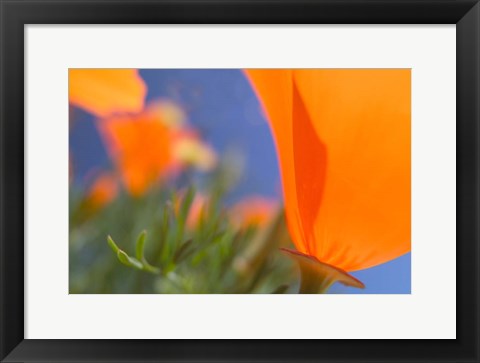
(351,169)
(363,118)
(103,92)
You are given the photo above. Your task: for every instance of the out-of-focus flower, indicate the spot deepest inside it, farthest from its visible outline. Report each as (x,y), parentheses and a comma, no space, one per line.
(151,146)
(103,190)
(104,92)
(253,211)
(140,147)
(343,141)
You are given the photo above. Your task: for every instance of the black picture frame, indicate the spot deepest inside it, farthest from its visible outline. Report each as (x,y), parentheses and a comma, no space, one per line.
(15,14)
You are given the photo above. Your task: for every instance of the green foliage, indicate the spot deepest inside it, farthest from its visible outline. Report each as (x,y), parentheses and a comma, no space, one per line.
(156,249)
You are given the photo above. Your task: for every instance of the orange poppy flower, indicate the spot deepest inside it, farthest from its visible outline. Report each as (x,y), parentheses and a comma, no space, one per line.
(343,141)
(103,92)
(140,147)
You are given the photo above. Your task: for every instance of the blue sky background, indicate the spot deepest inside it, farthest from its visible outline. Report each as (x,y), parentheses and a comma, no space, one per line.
(223,107)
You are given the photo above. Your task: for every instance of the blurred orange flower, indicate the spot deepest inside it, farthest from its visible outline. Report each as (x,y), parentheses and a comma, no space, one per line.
(145,147)
(253,211)
(140,147)
(343,141)
(103,190)
(104,92)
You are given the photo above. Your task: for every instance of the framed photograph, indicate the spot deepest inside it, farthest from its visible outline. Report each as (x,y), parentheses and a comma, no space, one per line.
(240,181)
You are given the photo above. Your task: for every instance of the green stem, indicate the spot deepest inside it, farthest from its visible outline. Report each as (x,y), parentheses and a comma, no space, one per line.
(317,277)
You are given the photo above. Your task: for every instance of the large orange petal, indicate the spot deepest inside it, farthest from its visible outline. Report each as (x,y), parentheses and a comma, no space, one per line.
(103,92)
(353,179)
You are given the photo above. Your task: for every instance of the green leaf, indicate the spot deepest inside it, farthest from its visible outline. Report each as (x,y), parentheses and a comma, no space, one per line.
(140,245)
(167,211)
(187,203)
(129,261)
(112,244)
(139,263)
(183,251)
(139,252)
